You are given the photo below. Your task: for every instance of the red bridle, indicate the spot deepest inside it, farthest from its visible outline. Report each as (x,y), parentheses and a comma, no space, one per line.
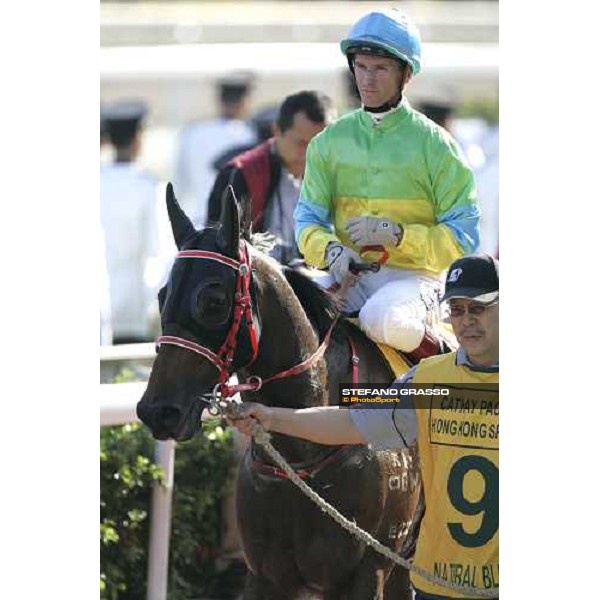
(242,307)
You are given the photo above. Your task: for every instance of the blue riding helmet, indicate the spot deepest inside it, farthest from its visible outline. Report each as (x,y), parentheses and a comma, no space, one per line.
(385,32)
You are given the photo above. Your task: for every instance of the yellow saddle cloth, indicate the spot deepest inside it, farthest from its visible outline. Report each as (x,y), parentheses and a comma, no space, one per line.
(398,363)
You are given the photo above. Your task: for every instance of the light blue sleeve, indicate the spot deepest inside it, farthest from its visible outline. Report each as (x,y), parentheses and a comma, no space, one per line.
(314,203)
(464,223)
(308,214)
(455,194)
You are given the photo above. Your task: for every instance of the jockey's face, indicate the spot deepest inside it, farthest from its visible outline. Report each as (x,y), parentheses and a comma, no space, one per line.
(476,327)
(292,143)
(378,79)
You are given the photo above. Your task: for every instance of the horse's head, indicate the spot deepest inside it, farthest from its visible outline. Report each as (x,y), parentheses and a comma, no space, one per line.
(208,318)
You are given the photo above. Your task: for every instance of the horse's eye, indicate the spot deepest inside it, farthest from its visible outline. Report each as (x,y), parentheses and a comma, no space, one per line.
(213,304)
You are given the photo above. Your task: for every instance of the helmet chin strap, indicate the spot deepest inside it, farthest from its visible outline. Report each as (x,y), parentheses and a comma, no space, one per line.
(384,107)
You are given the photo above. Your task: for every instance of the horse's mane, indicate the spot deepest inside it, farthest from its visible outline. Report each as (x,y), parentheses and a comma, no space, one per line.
(319,305)
(263,242)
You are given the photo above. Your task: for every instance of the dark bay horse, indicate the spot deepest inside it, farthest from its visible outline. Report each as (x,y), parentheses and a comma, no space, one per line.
(228,308)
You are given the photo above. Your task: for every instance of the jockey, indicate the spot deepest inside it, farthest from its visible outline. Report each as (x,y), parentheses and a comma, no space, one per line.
(385,175)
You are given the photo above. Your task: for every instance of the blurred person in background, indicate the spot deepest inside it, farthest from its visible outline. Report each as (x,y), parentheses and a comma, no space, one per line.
(387,176)
(263,122)
(439,112)
(105,315)
(202,142)
(270,174)
(105,147)
(488,192)
(352,96)
(128,217)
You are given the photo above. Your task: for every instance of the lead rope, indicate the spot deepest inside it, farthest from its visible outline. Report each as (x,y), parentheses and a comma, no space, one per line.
(263,438)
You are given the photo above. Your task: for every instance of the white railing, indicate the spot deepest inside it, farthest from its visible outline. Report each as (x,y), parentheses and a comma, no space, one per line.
(127,352)
(117,407)
(118,402)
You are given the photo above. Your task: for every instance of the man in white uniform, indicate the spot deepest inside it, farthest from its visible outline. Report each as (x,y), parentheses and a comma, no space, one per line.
(202,142)
(128,218)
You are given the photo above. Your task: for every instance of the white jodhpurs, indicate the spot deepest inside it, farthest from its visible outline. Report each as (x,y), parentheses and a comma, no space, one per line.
(394,305)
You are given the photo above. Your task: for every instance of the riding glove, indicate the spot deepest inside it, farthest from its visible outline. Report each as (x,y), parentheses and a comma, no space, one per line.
(338,259)
(371,231)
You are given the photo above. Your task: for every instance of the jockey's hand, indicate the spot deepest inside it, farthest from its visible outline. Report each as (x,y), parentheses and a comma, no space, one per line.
(338,259)
(373,231)
(246,415)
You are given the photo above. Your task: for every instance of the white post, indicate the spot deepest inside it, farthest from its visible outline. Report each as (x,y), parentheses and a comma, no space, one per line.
(160,523)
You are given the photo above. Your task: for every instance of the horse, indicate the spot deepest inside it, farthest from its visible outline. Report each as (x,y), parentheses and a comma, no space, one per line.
(229,308)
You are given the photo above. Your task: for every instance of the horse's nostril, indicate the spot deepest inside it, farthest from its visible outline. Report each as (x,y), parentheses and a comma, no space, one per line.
(169,416)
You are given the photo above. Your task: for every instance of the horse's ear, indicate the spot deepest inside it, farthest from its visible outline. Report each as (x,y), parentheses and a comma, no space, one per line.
(180,223)
(228,237)
(246,217)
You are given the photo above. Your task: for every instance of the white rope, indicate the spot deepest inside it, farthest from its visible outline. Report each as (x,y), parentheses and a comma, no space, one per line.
(263,438)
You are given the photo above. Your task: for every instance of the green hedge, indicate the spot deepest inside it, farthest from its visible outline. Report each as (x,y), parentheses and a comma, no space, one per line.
(127,472)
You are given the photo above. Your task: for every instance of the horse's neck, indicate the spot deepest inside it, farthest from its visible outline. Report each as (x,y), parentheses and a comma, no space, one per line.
(287,339)
(279,353)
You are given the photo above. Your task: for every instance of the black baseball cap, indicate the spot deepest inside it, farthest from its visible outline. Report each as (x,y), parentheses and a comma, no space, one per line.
(474,277)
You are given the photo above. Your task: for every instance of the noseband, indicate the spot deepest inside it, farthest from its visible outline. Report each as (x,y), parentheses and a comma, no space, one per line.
(223,358)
